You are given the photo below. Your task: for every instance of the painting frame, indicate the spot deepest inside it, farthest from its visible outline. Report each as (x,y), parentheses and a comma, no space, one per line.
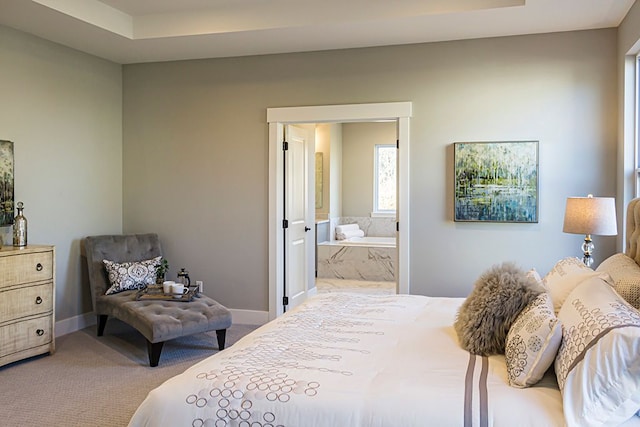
(496,181)
(7,194)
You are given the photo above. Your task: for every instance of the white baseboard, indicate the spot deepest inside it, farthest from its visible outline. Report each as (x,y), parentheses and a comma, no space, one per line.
(240,317)
(249,317)
(72,324)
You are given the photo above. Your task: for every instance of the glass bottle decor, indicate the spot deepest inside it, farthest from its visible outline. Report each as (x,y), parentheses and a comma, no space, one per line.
(20,227)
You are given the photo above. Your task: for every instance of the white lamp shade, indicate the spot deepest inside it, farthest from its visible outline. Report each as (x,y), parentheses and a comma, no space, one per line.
(591,215)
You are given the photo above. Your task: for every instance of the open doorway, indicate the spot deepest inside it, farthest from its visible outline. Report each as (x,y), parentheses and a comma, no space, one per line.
(355,207)
(277,119)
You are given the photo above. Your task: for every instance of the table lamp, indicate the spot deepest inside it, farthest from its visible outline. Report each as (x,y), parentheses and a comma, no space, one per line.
(590,215)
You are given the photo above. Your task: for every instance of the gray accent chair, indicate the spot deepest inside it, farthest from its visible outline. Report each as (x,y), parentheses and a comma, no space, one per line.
(157,320)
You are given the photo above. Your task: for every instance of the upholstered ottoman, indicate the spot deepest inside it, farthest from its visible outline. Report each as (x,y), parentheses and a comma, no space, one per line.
(160,320)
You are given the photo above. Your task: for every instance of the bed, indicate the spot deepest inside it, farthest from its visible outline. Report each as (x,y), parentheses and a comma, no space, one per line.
(379,360)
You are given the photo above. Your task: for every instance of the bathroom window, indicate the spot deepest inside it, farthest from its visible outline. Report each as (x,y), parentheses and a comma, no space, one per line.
(385,180)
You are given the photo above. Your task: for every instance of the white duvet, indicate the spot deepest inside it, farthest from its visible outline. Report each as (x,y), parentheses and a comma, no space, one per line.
(352,360)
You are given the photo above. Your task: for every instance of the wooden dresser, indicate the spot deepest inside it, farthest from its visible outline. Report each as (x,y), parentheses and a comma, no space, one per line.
(27,293)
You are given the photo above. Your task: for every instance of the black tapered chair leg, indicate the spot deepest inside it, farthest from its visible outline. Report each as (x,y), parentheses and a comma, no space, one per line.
(155,348)
(222,335)
(102,322)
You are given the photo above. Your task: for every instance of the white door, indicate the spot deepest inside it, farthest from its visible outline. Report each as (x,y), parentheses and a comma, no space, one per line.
(276,117)
(299,225)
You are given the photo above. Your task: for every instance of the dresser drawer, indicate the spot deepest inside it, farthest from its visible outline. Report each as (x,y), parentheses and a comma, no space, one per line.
(25,335)
(26,268)
(26,301)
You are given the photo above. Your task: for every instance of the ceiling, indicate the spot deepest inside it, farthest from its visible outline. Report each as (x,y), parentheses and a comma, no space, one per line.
(132,31)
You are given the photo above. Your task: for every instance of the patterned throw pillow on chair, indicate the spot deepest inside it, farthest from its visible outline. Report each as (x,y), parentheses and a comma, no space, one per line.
(127,276)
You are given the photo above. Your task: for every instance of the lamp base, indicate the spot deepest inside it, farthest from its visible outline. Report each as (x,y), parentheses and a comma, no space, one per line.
(587,250)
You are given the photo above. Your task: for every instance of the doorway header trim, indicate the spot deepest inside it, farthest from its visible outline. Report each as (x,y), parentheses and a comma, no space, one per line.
(340,113)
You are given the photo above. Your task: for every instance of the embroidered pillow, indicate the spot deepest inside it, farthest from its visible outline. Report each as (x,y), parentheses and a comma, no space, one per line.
(498,296)
(597,365)
(532,342)
(565,276)
(533,274)
(625,274)
(131,275)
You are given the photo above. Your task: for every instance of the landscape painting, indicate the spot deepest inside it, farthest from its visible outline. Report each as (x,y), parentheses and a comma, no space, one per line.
(6,183)
(496,181)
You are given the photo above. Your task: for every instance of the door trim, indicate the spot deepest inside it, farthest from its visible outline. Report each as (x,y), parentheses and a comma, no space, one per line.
(276,118)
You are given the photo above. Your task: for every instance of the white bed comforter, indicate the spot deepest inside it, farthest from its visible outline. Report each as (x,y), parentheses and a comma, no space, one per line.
(352,360)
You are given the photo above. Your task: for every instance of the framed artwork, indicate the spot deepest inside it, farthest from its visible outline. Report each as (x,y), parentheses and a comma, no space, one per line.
(496,181)
(6,183)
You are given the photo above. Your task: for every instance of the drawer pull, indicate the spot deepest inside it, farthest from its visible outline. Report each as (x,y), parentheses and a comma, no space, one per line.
(39,267)
(40,332)
(38,300)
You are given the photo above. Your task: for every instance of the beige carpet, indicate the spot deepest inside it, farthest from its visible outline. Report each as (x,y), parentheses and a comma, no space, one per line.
(96,381)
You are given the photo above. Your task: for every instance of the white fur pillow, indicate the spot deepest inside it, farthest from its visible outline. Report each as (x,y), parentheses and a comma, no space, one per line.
(498,296)
(532,342)
(625,274)
(565,276)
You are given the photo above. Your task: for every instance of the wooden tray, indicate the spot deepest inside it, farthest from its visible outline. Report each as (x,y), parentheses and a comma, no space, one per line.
(156,293)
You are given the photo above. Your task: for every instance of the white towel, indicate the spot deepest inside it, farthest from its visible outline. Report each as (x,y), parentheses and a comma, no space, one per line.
(346,231)
(349,234)
(347,227)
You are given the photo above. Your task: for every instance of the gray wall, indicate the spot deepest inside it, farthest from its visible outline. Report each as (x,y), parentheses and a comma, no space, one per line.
(63,111)
(358,150)
(195,148)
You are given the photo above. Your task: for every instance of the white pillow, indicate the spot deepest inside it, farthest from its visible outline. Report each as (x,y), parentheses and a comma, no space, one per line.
(532,342)
(597,366)
(533,273)
(124,276)
(625,274)
(565,276)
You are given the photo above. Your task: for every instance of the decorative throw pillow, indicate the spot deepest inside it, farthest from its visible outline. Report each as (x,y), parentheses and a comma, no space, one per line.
(533,273)
(498,296)
(597,365)
(625,274)
(532,342)
(565,276)
(131,275)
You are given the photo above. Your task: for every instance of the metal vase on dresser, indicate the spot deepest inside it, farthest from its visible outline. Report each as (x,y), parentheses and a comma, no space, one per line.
(20,227)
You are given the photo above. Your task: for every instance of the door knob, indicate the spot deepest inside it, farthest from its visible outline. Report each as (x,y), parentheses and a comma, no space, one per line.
(306,229)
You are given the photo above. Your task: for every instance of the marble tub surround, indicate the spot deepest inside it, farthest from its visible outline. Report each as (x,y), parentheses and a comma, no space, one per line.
(355,286)
(356,262)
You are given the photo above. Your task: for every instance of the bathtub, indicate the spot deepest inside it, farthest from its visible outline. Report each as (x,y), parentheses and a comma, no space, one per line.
(375,242)
(358,258)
